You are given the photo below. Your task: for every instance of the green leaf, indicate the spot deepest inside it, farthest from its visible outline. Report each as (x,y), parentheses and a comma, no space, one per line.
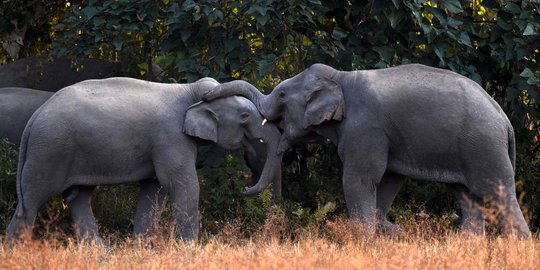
(265,67)
(188,5)
(232,44)
(118,44)
(381,64)
(453,6)
(219,14)
(143,68)
(257,8)
(475,77)
(396,3)
(527,73)
(339,33)
(440,49)
(98,21)
(454,23)
(464,39)
(90,12)
(185,35)
(512,93)
(386,53)
(529,30)
(263,19)
(513,8)
(396,18)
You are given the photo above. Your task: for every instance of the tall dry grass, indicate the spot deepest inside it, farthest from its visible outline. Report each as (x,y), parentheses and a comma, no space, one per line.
(339,244)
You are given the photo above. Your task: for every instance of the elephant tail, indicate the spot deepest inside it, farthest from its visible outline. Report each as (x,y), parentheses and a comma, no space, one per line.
(20,211)
(512,146)
(20,166)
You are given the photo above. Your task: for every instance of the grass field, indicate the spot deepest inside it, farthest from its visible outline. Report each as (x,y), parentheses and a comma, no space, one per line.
(332,245)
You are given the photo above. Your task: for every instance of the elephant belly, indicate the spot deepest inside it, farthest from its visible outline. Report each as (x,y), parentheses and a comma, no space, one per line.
(100,161)
(110,175)
(425,171)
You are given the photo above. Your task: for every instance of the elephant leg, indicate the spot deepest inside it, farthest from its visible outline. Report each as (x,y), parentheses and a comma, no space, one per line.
(513,221)
(21,223)
(493,182)
(387,190)
(182,184)
(152,199)
(472,216)
(79,200)
(364,164)
(31,198)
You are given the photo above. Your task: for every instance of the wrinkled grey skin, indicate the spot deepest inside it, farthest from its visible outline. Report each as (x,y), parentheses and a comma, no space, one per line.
(119,130)
(411,120)
(17,106)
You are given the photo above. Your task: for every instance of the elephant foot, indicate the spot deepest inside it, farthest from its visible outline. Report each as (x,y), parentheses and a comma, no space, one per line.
(474,228)
(92,241)
(390,229)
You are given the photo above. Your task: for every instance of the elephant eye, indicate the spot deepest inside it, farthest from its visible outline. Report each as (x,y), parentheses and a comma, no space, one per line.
(282,94)
(245,115)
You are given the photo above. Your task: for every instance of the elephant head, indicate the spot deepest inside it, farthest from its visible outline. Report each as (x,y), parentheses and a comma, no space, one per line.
(233,123)
(300,103)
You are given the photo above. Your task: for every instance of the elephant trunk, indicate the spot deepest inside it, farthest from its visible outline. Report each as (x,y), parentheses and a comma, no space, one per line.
(272,168)
(241,88)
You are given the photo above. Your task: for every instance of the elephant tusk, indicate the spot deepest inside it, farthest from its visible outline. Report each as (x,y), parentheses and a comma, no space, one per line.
(261,140)
(264,121)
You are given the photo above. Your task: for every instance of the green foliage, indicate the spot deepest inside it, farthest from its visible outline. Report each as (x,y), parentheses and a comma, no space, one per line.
(527,175)
(222,198)
(126,31)
(24,27)
(495,43)
(8,170)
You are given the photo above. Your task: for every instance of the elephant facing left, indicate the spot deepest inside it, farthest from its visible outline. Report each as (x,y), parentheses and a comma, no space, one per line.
(119,130)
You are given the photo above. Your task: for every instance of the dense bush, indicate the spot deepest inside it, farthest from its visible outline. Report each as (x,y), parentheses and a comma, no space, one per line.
(494,42)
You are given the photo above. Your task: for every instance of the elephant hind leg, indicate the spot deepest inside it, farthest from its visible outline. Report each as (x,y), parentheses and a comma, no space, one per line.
(20,224)
(501,195)
(22,221)
(80,206)
(489,175)
(387,190)
(512,221)
(152,200)
(472,216)
(38,183)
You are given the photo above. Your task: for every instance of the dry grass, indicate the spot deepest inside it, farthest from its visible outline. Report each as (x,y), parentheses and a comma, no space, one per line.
(333,245)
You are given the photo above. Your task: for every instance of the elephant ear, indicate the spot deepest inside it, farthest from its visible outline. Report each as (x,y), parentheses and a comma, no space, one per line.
(324,101)
(201,122)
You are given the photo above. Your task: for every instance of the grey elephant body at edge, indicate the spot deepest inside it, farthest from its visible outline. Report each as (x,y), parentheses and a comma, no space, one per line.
(17,106)
(411,120)
(118,130)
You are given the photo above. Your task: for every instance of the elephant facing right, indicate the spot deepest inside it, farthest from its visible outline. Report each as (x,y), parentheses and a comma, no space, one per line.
(121,130)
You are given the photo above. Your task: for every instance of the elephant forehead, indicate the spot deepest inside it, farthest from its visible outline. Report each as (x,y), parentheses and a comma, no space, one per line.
(237,102)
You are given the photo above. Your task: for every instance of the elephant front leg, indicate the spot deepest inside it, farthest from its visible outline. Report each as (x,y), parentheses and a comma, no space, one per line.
(184,199)
(364,164)
(180,180)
